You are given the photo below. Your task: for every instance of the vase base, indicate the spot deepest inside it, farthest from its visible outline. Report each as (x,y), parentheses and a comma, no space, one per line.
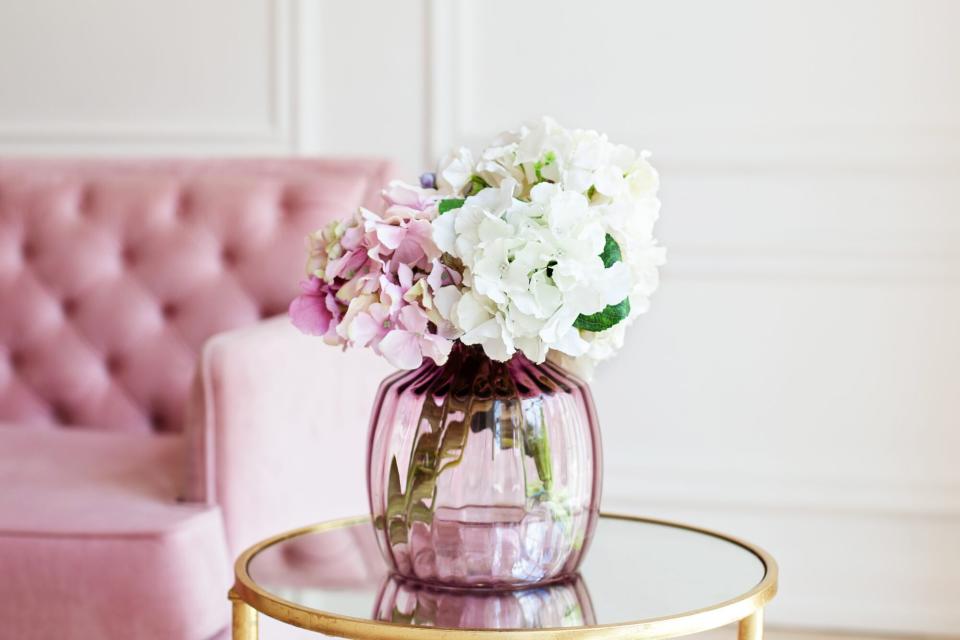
(491,547)
(491,586)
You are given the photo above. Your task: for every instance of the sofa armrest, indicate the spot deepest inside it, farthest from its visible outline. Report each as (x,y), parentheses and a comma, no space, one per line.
(277,429)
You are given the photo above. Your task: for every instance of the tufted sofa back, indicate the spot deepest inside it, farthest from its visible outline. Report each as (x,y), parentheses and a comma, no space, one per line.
(114,272)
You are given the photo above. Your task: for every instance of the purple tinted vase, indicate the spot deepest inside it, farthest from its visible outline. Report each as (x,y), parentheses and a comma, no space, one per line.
(484,473)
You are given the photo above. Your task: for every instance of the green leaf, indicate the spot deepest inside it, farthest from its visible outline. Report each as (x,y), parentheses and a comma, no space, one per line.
(421,486)
(477,184)
(536,445)
(398,616)
(613,313)
(605,319)
(393,482)
(397,532)
(450,204)
(548,159)
(420,513)
(454,440)
(611,252)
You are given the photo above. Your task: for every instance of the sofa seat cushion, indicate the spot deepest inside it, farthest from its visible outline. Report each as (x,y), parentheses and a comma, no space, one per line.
(93,537)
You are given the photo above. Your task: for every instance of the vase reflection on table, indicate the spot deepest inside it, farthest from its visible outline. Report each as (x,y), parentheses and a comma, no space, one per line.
(559,604)
(484,473)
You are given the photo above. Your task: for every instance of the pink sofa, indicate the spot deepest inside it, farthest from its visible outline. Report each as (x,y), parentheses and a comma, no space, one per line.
(152,422)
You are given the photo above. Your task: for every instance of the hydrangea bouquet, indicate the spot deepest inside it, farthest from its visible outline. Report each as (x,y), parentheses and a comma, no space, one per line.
(542,244)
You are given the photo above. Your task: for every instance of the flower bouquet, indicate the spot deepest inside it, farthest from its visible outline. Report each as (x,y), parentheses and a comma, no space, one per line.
(495,285)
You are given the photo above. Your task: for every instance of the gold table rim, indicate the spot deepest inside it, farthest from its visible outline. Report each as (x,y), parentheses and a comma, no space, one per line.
(727,612)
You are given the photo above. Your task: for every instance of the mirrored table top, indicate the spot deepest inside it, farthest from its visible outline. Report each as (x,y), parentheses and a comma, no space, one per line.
(331,577)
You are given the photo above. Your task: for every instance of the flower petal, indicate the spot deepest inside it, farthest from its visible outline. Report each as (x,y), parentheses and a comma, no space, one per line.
(402,349)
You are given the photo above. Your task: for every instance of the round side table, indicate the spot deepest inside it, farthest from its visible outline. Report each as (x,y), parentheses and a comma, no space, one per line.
(642,579)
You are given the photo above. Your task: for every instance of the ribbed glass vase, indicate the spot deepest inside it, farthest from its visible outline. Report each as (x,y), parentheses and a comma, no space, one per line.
(484,473)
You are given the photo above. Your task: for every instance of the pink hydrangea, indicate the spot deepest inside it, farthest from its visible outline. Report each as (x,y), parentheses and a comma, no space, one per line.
(369,281)
(316,310)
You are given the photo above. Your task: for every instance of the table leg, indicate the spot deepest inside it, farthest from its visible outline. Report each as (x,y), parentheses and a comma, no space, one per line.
(244,619)
(751,627)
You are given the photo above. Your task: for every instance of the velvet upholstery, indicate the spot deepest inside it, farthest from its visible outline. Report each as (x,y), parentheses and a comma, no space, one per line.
(280,431)
(133,469)
(94,544)
(114,273)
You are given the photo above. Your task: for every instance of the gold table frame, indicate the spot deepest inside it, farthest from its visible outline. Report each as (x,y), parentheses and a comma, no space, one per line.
(249,599)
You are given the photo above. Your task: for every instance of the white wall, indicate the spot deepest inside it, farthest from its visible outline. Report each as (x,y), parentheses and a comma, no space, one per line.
(798,379)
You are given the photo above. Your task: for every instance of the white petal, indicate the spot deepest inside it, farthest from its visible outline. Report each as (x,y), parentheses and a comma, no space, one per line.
(571,343)
(616,283)
(533,348)
(558,324)
(470,313)
(444,235)
(454,171)
(609,180)
(577,179)
(445,298)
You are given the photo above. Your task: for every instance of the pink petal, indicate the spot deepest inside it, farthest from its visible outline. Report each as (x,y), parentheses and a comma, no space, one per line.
(364,329)
(400,193)
(402,349)
(344,265)
(405,276)
(390,235)
(310,314)
(412,318)
(352,238)
(409,252)
(412,198)
(436,348)
(392,293)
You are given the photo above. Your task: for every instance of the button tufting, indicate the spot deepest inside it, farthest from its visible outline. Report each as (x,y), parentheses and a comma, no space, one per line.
(17,359)
(184,205)
(85,201)
(158,421)
(158,248)
(69,306)
(289,204)
(114,364)
(129,256)
(61,414)
(229,256)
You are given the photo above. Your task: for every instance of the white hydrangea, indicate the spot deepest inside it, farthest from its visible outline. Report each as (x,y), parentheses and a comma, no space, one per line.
(538,208)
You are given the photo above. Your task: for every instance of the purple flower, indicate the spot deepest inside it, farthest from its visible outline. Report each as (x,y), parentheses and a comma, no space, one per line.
(315,311)
(428,180)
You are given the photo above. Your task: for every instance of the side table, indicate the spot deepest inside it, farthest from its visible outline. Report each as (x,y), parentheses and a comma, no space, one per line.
(642,579)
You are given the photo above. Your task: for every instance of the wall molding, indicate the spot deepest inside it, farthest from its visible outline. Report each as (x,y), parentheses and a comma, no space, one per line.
(795,263)
(841,149)
(442,56)
(835,148)
(769,491)
(277,134)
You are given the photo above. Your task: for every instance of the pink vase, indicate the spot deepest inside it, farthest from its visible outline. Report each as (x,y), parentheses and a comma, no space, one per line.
(482,473)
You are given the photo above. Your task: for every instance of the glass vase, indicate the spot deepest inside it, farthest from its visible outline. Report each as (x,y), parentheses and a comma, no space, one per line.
(484,473)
